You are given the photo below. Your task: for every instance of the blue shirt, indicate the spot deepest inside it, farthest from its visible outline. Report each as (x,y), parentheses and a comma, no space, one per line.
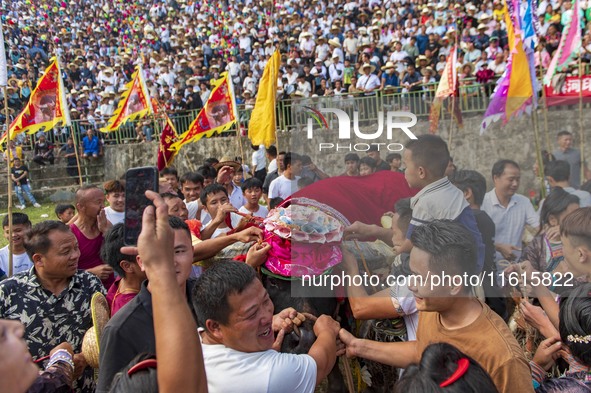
(90,146)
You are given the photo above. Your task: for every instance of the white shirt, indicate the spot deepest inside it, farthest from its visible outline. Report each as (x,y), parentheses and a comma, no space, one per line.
(272,166)
(268,371)
(262,212)
(113,216)
(282,187)
(236,197)
(258,159)
(192,207)
(20,262)
(510,221)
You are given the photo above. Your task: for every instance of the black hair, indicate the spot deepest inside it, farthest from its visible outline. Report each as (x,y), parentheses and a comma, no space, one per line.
(438,362)
(114,186)
(290,158)
(253,182)
(145,381)
(255,148)
(214,287)
(272,151)
(575,322)
(274,202)
(468,179)
(306,160)
(370,162)
(431,153)
(211,161)
(62,207)
(402,207)
(393,156)
(558,170)
(499,167)
(17,219)
(170,171)
(352,157)
(208,172)
(555,203)
(193,177)
(177,223)
(211,189)
(577,227)
(111,249)
(563,133)
(451,246)
(373,147)
(37,239)
(562,385)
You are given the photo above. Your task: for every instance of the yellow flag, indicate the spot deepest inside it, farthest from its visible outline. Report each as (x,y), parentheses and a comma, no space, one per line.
(261,128)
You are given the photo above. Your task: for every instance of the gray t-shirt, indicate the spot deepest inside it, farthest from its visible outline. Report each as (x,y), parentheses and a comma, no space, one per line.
(573,157)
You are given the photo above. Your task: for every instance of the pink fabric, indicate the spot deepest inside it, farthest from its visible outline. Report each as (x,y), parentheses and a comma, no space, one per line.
(90,253)
(116,301)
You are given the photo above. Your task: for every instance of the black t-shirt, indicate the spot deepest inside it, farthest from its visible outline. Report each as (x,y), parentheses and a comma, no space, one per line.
(18,172)
(486,226)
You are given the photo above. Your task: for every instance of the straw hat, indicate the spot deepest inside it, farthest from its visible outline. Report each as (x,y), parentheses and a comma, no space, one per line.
(367,65)
(10,111)
(428,70)
(247,92)
(227,161)
(334,42)
(91,341)
(388,66)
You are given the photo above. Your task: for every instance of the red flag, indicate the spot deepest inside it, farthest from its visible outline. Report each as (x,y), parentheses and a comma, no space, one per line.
(135,103)
(446,88)
(46,107)
(218,114)
(167,138)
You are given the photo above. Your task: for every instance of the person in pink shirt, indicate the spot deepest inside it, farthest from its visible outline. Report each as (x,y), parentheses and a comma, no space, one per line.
(130,276)
(89,228)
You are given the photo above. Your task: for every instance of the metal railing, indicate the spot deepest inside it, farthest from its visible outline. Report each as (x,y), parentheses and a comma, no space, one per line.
(293,114)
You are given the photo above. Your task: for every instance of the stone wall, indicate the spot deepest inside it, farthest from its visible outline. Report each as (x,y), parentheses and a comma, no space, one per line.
(470,150)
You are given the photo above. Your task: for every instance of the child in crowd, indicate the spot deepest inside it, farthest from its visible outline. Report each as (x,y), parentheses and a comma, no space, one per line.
(394,160)
(274,202)
(115,195)
(426,160)
(129,275)
(351,165)
(20,259)
(20,178)
(65,212)
(253,190)
(172,177)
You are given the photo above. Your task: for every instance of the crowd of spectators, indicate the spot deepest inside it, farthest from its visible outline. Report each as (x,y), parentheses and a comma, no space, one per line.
(325,46)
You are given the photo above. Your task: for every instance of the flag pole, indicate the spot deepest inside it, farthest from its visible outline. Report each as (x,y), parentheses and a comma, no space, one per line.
(9,161)
(451,121)
(581,131)
(545,107)
(66,110)
(4,84)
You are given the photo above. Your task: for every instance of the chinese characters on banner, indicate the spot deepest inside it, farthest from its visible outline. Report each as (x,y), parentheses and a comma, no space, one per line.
(568,92)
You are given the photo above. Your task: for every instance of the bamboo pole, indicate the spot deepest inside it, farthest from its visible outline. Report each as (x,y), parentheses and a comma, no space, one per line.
(451,122)
(539,159)
(545,107)
(73,135)
(581,131)
(8,163)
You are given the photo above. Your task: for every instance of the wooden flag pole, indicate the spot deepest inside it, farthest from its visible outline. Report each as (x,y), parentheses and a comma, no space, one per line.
(451,121)
(545,106)
(8,166)
(581,131)
(539,158)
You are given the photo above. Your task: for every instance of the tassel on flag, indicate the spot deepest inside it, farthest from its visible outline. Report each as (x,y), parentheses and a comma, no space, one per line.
(218,114)
(135,103)
(447,88)
(168,137)
(46,108)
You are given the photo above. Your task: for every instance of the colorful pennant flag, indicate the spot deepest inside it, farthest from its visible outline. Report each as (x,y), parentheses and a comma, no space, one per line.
(261,127)
(135,103)
(219,114)
(446,88)
(515,90)
(46,108)
(569,46)
(167,138)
